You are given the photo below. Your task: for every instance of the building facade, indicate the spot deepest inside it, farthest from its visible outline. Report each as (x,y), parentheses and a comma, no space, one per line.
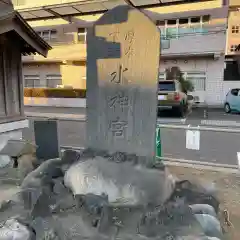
(195,37)
(232,65)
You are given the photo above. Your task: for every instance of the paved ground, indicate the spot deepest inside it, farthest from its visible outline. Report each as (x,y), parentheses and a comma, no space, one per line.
(196,117)
(228,188)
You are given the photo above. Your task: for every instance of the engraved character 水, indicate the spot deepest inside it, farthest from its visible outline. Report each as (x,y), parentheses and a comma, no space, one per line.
(117,76)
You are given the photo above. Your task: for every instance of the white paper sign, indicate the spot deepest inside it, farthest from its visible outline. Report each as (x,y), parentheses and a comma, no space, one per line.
(193,139)
(238,159)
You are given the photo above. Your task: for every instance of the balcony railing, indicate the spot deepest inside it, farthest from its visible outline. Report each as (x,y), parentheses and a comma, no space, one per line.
(60,42)
(201,42)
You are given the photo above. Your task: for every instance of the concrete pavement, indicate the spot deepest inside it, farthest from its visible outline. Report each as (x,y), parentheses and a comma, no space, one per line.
(216,117)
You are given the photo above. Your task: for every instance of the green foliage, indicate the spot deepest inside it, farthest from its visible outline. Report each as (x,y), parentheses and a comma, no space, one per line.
(174,73)
(54,93)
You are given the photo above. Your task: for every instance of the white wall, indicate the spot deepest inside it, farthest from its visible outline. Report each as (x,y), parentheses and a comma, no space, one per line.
(55,102)
(216,88)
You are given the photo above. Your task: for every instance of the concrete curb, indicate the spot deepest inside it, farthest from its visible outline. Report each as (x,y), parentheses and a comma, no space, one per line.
(57,116)
(216,167)
(203,167)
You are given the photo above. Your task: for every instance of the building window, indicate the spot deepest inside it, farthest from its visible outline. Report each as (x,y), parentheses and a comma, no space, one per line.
(82,35)
(31,81)
(198,80)
(205,19)
(183,21)
(231,71)
(175,28)
(48,35)
(160,23)
(233,48)
(235,29)
(162,76)
(53,80)
(195,20)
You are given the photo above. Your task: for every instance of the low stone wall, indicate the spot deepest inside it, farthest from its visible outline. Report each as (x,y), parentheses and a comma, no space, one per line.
(55,102)
(12,130)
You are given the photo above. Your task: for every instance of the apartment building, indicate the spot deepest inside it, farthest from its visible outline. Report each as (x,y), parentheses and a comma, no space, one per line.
(232,65)
(193,38)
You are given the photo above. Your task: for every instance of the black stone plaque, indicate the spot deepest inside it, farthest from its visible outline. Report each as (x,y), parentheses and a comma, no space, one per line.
(46,139)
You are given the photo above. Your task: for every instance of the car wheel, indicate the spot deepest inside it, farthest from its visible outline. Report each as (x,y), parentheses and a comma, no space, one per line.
(180,110)
(227,108)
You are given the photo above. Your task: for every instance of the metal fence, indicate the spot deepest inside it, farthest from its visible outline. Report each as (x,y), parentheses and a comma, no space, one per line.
(199,144)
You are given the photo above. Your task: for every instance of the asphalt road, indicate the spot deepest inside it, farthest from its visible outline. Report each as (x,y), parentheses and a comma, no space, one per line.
(215,147)
(196,116)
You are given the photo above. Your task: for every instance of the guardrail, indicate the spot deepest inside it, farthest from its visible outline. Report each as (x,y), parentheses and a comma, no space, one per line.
(209,146)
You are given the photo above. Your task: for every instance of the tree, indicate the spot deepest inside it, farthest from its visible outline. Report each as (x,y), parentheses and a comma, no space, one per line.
(174,73)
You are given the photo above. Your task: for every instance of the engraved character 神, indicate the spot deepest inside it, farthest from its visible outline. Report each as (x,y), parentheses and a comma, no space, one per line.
(120,99)
(117,127)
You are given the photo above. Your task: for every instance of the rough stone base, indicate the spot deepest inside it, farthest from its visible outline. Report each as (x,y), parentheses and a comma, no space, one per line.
(60,201)
(123,183)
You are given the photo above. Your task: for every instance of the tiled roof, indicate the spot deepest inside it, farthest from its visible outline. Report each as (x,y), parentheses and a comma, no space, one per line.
(14,22)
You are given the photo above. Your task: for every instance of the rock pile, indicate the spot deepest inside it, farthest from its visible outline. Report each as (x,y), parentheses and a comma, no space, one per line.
(92,196)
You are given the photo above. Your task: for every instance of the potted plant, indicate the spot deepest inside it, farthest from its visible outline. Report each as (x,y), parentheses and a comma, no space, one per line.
(174,73)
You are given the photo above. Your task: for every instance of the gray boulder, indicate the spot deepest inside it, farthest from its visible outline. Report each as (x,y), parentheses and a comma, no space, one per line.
(13,229)
(210,225)
(203,209)
(123,183)
(194,193)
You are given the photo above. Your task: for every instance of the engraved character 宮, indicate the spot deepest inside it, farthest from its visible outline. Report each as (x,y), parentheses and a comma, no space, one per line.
(118,127)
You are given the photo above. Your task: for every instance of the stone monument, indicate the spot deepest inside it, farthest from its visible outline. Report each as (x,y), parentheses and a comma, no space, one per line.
(123,57)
